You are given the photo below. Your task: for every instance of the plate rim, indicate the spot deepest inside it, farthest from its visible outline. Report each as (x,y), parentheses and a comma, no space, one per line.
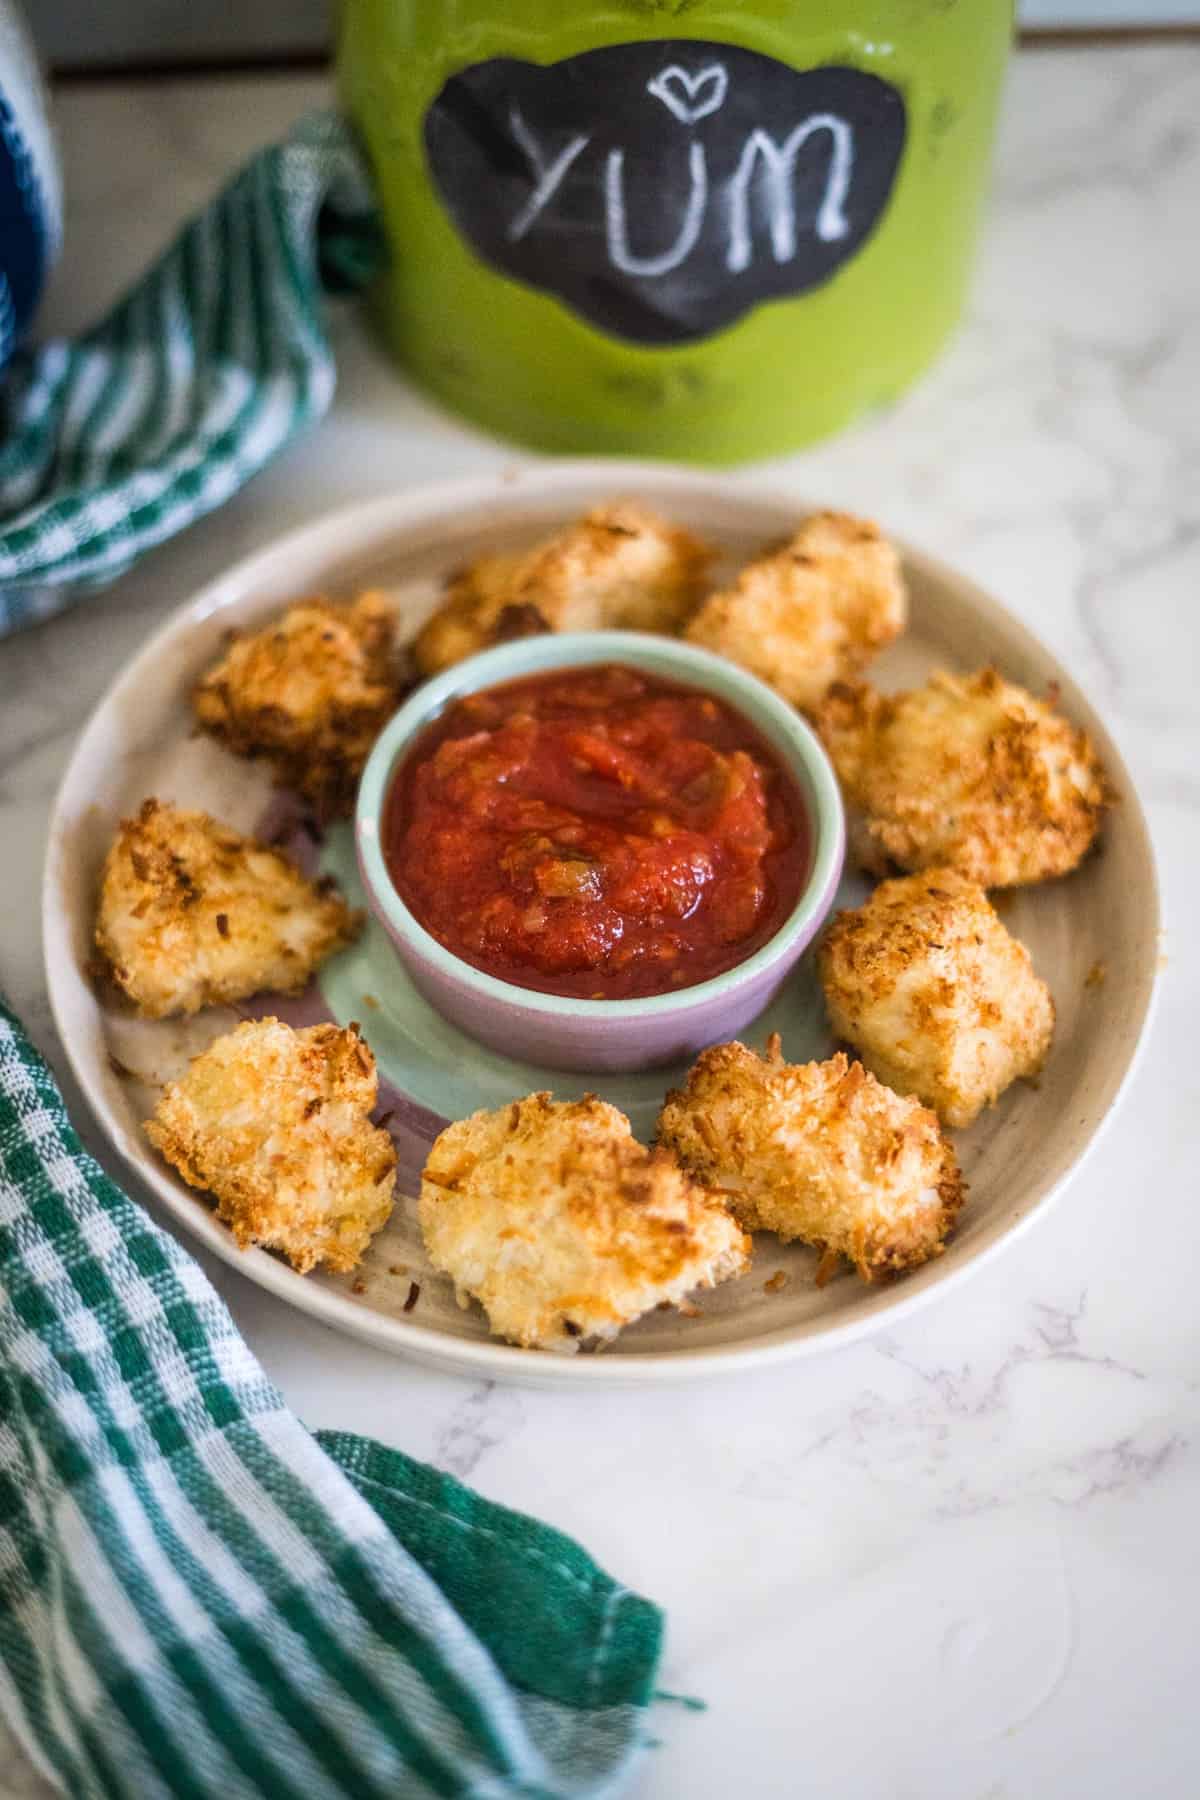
(359,524)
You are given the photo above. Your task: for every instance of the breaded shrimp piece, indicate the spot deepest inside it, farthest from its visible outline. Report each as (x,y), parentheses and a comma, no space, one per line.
(812,611)
(309,693)
(193,914)
(563,1227)
(620,565)
(817,1151)
(275,1124)
(968,771)
(939,999)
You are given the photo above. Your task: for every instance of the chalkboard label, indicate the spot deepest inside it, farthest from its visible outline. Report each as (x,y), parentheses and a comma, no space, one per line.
(664,189)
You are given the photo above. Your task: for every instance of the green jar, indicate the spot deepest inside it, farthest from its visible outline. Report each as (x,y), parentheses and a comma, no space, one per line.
(685,228)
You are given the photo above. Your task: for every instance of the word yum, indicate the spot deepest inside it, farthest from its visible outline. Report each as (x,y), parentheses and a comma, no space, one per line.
(765,170)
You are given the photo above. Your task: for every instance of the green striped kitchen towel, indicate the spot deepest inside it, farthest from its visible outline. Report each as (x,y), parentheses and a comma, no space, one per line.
(112,443)
(200,1599)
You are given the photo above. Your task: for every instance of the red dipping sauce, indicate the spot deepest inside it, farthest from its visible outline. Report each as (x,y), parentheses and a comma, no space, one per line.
(596,832)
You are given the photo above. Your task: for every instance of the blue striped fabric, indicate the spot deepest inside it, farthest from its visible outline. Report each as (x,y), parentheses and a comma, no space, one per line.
(30,183)
(114,442)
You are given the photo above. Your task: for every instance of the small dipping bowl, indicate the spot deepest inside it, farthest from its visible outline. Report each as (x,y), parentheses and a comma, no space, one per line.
(563,1032)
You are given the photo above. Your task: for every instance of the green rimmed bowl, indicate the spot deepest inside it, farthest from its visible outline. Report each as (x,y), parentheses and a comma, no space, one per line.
(604,1035)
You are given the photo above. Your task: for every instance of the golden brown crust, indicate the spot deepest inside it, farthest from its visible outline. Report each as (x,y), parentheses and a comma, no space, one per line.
(619,566)
(969,771)
(817,1151)
(194,914)
(812,611)
(563,1227)
(935,994)
(275,1124)
(309,693)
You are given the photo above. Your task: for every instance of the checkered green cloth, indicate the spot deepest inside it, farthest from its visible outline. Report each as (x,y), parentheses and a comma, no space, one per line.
(200,1599)
(114,442)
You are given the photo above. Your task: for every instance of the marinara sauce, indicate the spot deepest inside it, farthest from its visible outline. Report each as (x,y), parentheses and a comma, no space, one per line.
(596,832)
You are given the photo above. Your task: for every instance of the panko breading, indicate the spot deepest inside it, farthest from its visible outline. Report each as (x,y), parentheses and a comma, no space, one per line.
(193,914)
(935,994)
(275,1124)
(620,565)
(968,771)
(310,693)
(563,1227)
(817,1151)
(811,612)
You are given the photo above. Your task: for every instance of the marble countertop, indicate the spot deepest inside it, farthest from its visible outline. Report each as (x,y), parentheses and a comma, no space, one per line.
(956,1562)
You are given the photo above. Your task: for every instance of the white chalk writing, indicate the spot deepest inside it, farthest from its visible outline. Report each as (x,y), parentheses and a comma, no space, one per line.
(549,175)
(766,167)
(619,251)
(778,162)
(690,97)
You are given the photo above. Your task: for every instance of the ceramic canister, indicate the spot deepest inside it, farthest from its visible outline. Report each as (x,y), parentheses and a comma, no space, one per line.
(705,229)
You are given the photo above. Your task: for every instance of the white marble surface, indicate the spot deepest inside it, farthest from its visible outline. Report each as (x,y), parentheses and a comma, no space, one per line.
(958,1562)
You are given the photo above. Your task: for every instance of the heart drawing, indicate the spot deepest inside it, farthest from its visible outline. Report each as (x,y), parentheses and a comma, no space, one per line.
(690,97)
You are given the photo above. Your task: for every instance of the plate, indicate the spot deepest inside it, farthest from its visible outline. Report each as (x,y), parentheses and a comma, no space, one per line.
(1093,936)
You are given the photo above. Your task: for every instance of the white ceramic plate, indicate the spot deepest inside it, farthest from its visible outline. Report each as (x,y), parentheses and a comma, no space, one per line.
(139,741)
